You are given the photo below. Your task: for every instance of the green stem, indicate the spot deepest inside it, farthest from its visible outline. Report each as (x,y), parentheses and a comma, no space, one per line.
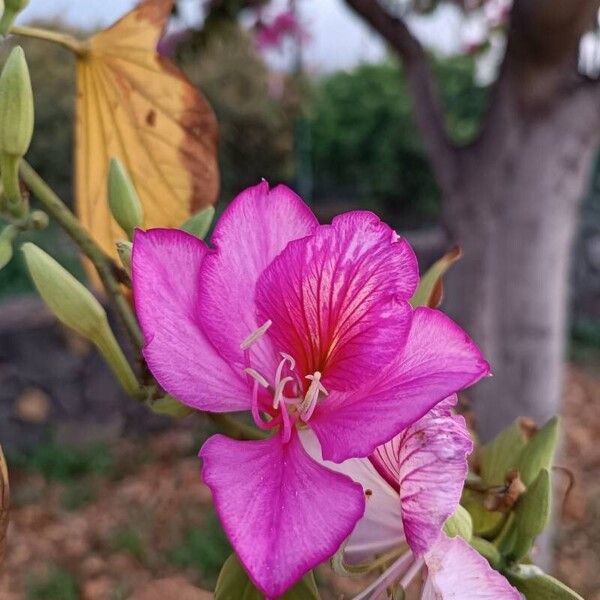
(9,166)
(104,265)
(68,41)
(110,349)
(233,428)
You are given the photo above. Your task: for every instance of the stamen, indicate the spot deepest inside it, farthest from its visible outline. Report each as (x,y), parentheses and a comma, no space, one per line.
(287,426)
(279,391)
(290,359)
(254,337)
(256,376)
(256,413)
(308,405)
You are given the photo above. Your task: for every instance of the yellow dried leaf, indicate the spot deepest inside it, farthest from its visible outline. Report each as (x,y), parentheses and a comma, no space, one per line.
(138,107)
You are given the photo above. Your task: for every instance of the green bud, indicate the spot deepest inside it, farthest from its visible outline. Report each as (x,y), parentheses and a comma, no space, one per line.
(501,455)
(124,249)
(16,123)
(532,514)
(200,223)
(75,306)
(11,9)
(534,584)
(123,200)
(539,452)
(39,219)
(7,237)
(487,550)
(459,524)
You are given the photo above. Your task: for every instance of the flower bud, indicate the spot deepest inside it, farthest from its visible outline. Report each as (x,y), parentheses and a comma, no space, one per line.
(460,524)
(539,452)
(7,237)
(124,251)
(39,219)
(75,306)
(11,9)
(16,123)
(123,200)
(200,223)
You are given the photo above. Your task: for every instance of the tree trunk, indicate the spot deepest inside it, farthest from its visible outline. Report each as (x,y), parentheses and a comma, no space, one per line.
(514,211)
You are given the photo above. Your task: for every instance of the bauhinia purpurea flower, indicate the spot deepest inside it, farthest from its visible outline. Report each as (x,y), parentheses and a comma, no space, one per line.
(306,326)
(413,484)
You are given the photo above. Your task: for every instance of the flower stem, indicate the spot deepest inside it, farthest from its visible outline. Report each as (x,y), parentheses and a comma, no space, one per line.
(68,41)
(103,264)
(233,428)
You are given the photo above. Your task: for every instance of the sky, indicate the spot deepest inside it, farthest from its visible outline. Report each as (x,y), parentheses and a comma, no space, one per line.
(338,39)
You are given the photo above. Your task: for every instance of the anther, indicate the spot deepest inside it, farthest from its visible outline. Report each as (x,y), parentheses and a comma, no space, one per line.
(253,337)
(257,377)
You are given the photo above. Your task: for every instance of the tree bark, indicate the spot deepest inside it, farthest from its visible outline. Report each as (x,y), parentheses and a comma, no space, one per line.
(511,198)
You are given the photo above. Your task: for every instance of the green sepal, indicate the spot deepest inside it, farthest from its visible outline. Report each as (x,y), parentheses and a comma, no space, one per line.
(532,514)
(539,453)
(199,224)
(167,405)
(124,250)
(234,584)
(460,524)
(430,290)
(534,584)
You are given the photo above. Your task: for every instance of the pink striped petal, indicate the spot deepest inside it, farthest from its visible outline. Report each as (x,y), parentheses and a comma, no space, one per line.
(380,529)
(427,464)
(165,273)
(252,231)
(438,360)
(339,299)
(283,512)
(457,572)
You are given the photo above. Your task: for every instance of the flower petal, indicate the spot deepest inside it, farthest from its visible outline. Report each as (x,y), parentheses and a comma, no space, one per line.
(457,572)
(252,231)
(427,463)
(339,299)
(283,512)
(165,266)
(438,360)
(380,529)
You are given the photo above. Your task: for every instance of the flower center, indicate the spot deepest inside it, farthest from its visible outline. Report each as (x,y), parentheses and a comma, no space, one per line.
(285,408)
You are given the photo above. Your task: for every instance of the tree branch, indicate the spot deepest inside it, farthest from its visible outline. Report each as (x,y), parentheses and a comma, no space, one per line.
(426,104)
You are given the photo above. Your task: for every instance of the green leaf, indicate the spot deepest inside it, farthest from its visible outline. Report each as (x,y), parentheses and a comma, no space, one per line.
(536,585)
(199,224)
(502,454)
(234,584)
(460,524)
(539,453)
(430,290)
(532,514)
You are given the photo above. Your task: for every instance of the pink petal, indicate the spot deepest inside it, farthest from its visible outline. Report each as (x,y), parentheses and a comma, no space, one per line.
(438,360)
(457,572)
(338,299)
(283,512)
(428,464)
(165,266)
(252,231)
(380,529)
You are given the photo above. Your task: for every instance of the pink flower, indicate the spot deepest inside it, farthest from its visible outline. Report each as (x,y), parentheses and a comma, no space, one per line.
(285,24)
(305,325)
(413,483)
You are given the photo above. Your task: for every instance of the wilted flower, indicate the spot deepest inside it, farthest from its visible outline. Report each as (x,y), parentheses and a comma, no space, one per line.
(413,485)
(306,326)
